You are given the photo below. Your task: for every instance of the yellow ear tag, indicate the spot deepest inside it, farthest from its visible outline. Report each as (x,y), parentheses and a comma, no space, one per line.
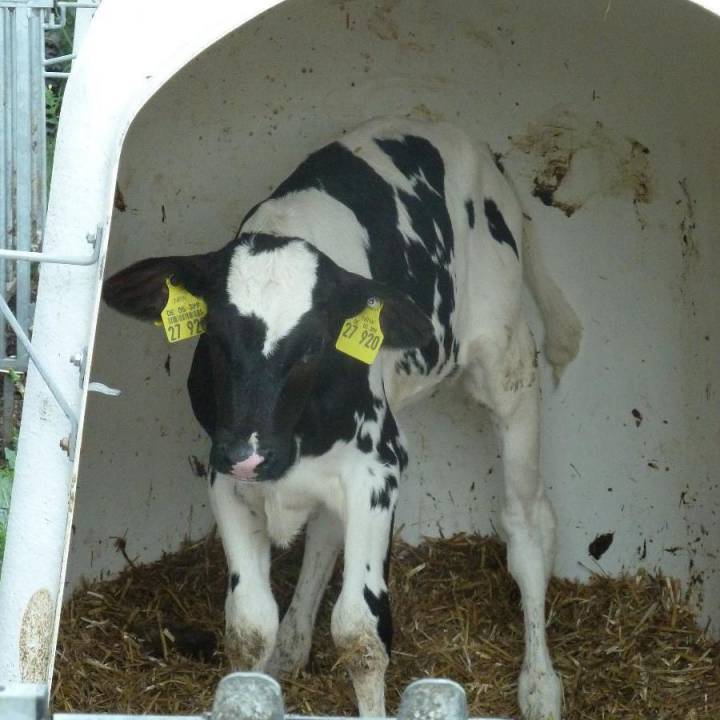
(184,315)
(361,336)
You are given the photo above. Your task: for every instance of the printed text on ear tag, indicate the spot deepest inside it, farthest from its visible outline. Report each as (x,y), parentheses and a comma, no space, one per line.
(184,315)
(361,336)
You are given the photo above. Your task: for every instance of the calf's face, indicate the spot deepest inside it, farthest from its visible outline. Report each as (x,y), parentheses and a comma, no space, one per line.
(275,309)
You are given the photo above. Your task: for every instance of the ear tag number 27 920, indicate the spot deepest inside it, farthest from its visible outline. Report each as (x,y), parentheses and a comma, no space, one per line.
(184,314)
(361,336)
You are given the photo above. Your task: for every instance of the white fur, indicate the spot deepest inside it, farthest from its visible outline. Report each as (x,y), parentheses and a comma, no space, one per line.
(321,220)
(275,287)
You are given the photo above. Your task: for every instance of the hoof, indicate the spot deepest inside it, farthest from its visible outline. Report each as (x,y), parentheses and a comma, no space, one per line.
(539,695)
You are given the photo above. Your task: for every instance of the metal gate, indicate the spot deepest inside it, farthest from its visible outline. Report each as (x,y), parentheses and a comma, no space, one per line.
(23,182)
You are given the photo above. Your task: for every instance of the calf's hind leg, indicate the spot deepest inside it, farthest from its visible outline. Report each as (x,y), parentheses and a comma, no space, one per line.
(323,539)
(505,379)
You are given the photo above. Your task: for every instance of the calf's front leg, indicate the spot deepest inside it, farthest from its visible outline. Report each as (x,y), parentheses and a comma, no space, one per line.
(361,624)
(251,613)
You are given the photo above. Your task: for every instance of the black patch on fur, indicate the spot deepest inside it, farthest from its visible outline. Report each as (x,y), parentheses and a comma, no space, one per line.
(415,269)
(341,390)
(470,210)
(234,580)
(201,388)
(364,443)
(213,475)
(380,608)
(389,448)
(383,497)
(386,563)
(261,243)
(498,228)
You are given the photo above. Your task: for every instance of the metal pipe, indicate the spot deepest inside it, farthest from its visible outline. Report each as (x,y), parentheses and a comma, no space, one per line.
(41,257)
(23,338)
(50,25)
(59,59)
(86,5)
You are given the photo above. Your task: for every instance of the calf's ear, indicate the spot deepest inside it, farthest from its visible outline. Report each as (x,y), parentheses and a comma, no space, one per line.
(140,289)
(403,323)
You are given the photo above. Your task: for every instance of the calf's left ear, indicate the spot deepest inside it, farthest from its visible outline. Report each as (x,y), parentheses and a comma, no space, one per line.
(403,323)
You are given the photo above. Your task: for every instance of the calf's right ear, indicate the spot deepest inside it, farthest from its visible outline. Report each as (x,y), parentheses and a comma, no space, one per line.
(140,290)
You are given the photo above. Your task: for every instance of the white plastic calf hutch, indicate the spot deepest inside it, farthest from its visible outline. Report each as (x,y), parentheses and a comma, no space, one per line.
(605,114)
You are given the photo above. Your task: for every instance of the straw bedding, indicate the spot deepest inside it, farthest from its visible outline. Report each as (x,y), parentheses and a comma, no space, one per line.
(625,648)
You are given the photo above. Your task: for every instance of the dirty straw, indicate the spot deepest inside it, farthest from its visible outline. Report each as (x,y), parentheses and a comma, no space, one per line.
(150,641)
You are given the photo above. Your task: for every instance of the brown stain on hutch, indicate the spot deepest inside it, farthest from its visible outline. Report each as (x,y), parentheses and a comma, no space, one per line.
(36,633)
(576,159)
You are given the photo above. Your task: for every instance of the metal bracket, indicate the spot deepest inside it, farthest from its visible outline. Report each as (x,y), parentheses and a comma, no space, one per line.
(42,257)
(241,696)
(433,700)
(68,443)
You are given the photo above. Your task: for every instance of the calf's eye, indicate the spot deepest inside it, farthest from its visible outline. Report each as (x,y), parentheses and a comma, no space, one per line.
(312,349)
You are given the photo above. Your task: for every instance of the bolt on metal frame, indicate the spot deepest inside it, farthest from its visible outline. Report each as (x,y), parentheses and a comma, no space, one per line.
(23,181)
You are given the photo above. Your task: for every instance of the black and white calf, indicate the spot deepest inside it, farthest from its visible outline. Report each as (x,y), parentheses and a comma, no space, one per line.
(414,216)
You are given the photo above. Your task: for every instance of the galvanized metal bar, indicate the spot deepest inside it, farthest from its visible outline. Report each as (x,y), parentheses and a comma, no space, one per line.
(23,702)
(23,178)
(31,4)
(60,24)
(31,182)
(254,696)
(59,59)
(40,257)
(7,52)
(104,716)
(57,394)
(87,5)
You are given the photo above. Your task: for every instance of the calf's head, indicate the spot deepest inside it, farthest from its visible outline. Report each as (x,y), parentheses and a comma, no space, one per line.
(275,308)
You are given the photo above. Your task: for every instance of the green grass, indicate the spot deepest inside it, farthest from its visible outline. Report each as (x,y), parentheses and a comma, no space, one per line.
(7,463)
(7,471)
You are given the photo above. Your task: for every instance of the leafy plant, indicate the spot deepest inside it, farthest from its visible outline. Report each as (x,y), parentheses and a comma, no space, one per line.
(7,472)
(62,44)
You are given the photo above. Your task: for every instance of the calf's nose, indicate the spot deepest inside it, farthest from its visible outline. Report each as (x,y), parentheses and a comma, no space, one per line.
(245,470)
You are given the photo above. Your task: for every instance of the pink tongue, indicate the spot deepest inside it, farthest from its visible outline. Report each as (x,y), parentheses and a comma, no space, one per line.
(245,470)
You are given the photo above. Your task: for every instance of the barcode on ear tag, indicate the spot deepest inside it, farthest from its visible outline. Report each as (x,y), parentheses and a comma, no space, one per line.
(184,314)
(361,336)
